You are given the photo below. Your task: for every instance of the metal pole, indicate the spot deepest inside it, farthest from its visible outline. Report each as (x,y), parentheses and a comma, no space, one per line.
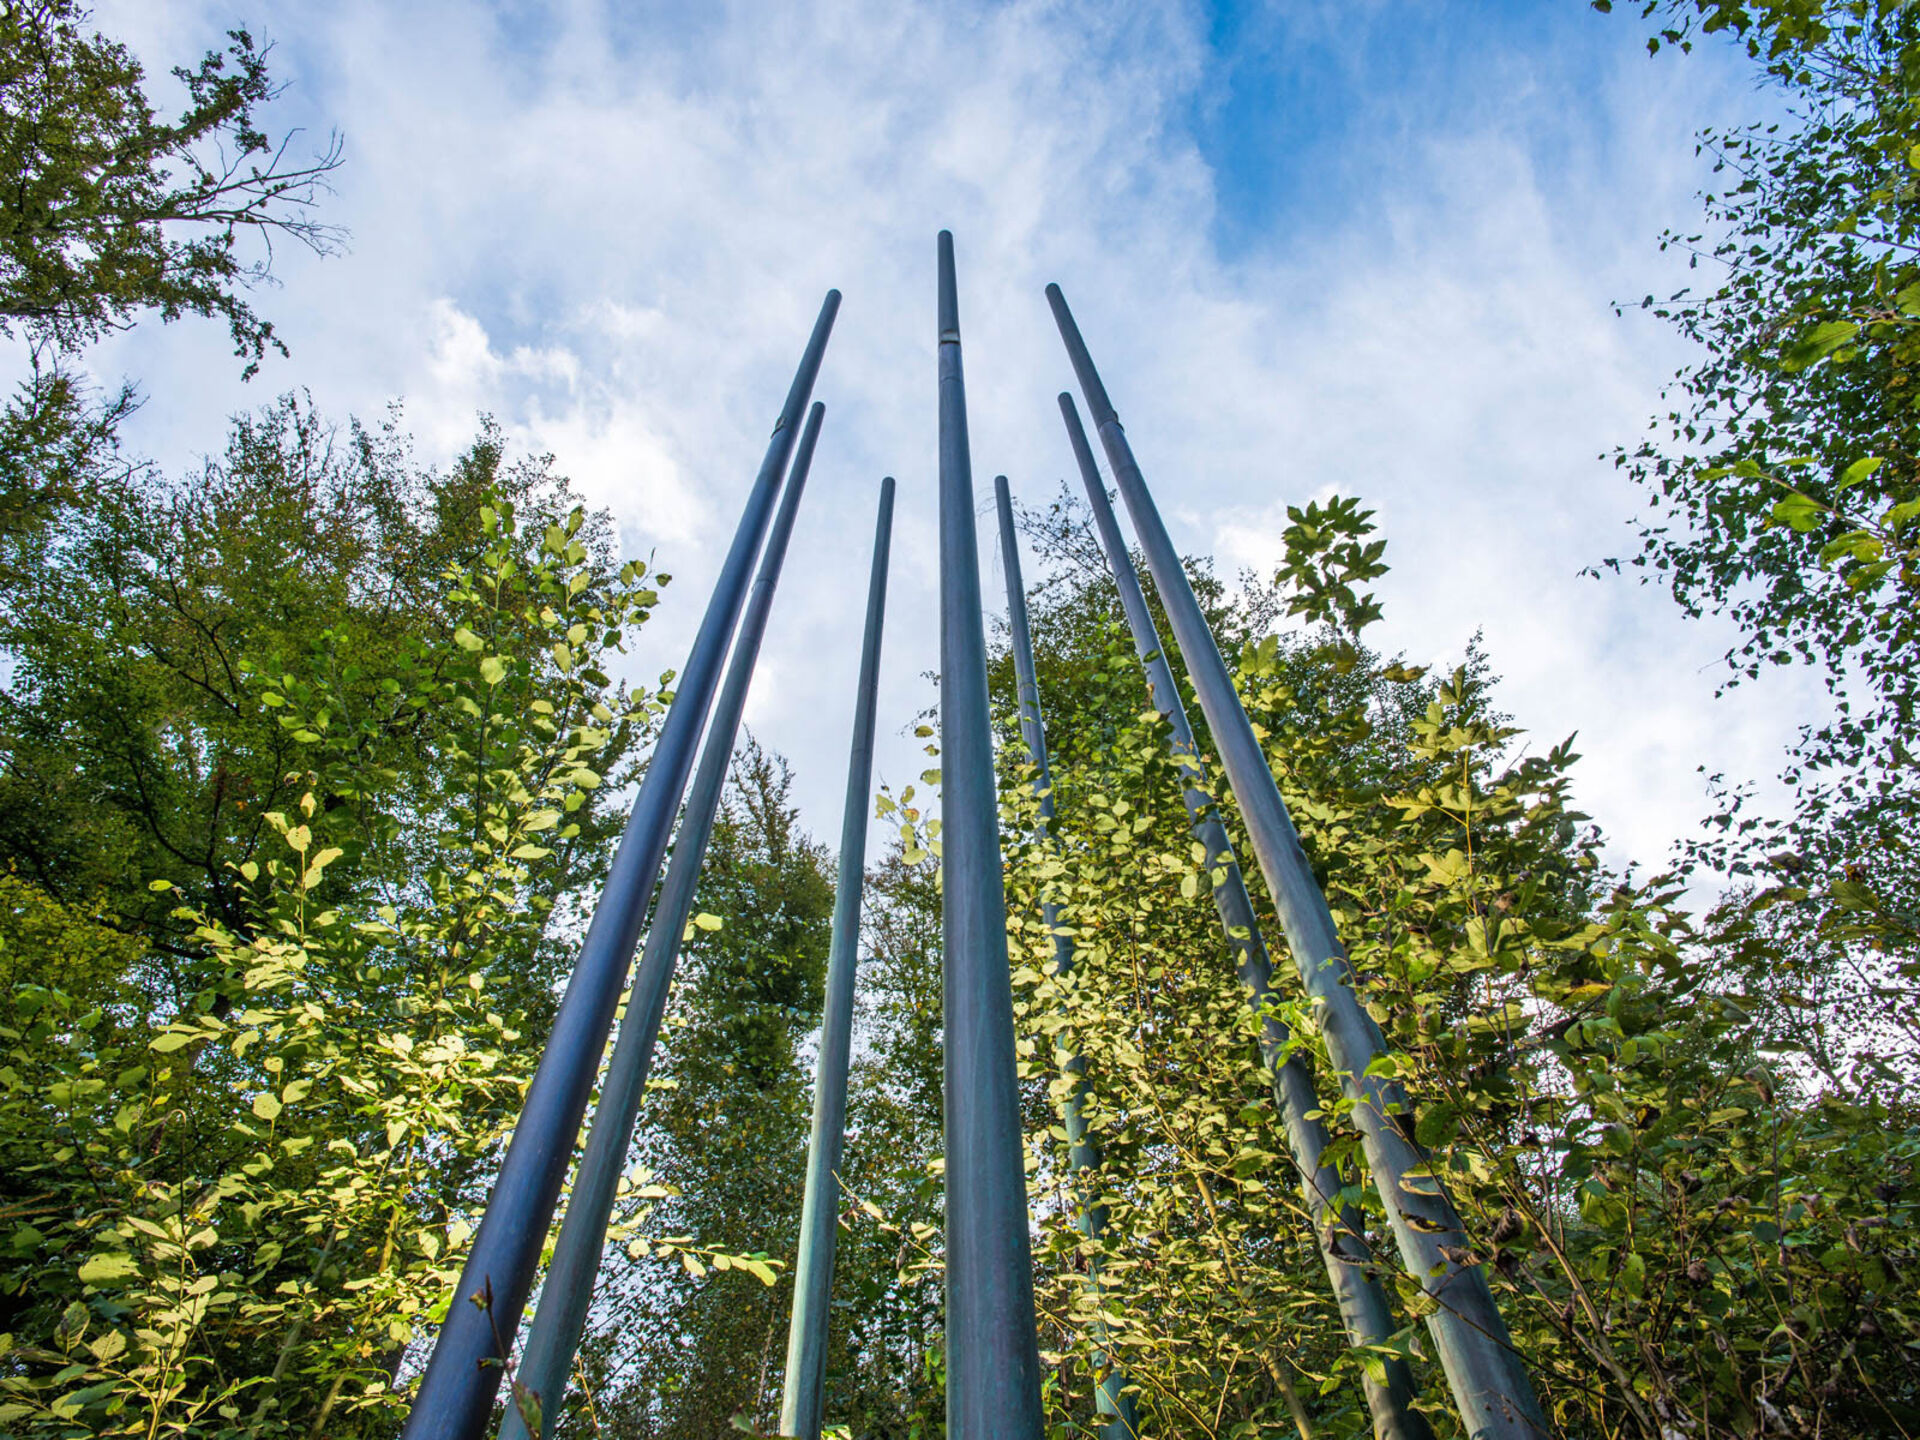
(1488,1379)
(456,1394)
(1120,1419)
(567,1291)
(802,1400)
(1337,1228)
(993,1358)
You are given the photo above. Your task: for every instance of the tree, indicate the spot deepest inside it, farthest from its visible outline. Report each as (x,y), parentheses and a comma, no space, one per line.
(163,656)
(885,1360)
(1650,1191)
(108,211)
(679,1350)
(1785,485)
(236,1212)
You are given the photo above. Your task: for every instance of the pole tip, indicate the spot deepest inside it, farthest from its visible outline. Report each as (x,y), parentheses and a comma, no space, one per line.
(949,289)
(1053,293)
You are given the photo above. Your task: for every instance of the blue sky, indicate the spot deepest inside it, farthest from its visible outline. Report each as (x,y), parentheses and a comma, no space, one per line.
(1369,246)
(1300,106)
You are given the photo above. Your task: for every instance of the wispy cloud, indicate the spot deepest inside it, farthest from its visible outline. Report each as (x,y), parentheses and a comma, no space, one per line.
(610,227)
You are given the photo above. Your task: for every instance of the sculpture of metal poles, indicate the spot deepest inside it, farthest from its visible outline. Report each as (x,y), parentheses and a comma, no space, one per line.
(456,1394)
(1337,1228)
(993,1357)
(1488,1379)
(567,1292)
(802,1397)
(1119,1419)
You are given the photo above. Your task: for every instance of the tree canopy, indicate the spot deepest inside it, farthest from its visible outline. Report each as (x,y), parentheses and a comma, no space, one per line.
(109,211)
(312,762)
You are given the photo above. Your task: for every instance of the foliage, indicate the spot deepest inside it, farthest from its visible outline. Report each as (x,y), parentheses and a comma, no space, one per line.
(109,211)
(139,739)
(234,1215)
(58,445)
(682,1349)
(886,1359)
(1683,1238)
(1785,485)
(305,777)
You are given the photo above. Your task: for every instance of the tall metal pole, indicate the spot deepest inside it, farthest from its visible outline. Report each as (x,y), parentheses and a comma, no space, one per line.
(802,1398)
(1119,1417)
(1337,1228)
(567,1292)
(993,1358)
(1488,1379)
(456,1394)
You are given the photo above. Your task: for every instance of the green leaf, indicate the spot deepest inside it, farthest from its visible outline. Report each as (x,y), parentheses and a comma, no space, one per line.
(1860,470)
(706,921)
(467,640)
(1800,512)
(266,1106)
(528,1404)
(173,1039)
(493,669)
(1854,545)
(1633,1275)
(105,1267)
(1818,343)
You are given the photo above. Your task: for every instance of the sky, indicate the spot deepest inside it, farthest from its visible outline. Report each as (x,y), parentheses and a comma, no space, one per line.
(1361,246)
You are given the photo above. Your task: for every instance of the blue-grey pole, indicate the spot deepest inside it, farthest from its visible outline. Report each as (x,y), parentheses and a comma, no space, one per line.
(1119,1419)
(1337,1228)
(993,1356)
(1487,1377)
(802,1397)
(456,1394)
(567,1292)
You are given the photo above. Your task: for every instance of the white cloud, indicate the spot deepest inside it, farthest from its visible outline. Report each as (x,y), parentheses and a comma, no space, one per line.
(613,233)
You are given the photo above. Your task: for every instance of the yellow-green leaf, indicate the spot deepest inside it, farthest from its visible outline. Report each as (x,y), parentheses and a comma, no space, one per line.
(108,1346)
(106,1267)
